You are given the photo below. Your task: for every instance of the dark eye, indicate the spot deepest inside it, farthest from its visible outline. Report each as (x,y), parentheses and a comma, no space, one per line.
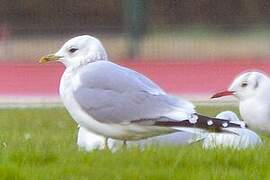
(72,50)
(244,84)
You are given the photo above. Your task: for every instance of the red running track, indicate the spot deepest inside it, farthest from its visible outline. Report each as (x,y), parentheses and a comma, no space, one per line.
(181,78)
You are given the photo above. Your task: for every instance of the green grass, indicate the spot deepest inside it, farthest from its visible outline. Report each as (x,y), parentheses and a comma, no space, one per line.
(41,144)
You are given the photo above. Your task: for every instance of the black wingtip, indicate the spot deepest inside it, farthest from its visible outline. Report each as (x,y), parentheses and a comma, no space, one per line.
(203,122)
(210,124)
(216,124)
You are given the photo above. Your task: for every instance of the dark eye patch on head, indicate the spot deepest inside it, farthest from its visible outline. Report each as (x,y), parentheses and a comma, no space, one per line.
(257,82)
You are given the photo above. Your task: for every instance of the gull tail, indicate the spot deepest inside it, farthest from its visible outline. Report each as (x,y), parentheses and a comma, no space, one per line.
(200,124)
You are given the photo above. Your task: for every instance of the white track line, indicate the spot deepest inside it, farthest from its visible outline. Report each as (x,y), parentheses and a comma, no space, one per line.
(7,102)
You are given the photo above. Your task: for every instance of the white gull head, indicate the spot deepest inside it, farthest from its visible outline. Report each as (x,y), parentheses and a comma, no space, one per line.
(252,90)
(78,51)
(248,85)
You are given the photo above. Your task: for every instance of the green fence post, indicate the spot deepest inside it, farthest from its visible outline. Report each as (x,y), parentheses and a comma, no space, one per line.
(134,12)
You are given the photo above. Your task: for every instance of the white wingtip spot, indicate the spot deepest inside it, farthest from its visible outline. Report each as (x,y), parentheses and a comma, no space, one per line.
(193,119)
(210,122)
(242,124)
(225,124)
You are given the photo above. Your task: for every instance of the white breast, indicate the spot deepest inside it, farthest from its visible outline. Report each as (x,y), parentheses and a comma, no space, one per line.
(255,114)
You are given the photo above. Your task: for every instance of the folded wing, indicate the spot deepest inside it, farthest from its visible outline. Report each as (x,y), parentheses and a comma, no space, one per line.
(114,94)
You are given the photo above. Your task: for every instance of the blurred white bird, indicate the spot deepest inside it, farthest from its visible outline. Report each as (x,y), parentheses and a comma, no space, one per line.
(252,89)
(243,138)
(117,102)
(90,141)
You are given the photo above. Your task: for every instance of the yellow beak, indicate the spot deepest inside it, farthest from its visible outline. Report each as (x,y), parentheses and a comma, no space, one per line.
(50,57)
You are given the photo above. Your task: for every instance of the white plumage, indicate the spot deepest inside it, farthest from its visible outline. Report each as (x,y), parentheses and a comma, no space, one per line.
(243,137)
(90,141)
(252,89)
(116,102)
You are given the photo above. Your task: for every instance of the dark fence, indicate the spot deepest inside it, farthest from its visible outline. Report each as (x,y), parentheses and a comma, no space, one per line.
(149,29)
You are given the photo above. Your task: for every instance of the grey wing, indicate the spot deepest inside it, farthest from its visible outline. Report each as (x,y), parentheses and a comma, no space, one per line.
(113,94)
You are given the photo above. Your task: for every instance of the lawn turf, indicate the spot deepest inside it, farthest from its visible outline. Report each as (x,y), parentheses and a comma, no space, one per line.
(40,143)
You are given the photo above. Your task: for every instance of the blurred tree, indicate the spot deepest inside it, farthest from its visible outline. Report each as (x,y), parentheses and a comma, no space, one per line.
(54,16)
(135,24)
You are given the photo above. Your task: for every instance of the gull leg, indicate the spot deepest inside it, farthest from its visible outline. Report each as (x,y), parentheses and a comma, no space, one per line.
(106,143)
(125,144)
